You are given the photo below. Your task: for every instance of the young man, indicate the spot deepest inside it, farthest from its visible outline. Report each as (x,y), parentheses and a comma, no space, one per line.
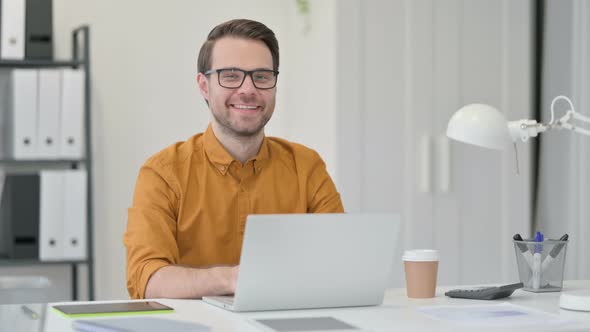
(186,225)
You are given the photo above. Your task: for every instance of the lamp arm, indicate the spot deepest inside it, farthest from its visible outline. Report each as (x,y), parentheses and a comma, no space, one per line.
(564,122)
(582,131)
(525,129)
(554,101)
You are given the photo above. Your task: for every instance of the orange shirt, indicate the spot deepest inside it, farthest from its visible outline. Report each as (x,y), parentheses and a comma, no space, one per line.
(191,201)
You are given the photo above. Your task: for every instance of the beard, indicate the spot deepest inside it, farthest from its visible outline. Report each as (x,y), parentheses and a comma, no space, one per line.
(233,127)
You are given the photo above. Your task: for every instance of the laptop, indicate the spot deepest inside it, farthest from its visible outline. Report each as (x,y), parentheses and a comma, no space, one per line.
(304,261)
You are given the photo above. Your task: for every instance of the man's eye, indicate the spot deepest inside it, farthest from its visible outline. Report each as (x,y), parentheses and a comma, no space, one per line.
(230,76)
(262,77)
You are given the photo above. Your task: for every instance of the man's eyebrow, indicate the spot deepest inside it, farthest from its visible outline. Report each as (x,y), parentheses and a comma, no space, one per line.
(259,68)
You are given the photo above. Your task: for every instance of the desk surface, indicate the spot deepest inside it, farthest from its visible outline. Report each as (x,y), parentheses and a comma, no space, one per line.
(396,313)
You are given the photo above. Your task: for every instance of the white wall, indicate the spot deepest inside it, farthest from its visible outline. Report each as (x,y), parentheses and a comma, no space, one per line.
(564,181)
(405,67)
(143,56)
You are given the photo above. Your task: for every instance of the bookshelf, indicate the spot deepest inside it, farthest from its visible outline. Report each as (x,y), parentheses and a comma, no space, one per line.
(80,59)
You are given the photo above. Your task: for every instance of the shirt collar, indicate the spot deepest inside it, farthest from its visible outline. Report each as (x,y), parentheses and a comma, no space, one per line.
(263,153)
(222,159)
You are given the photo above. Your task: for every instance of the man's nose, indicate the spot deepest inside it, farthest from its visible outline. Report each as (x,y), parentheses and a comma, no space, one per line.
(248,85)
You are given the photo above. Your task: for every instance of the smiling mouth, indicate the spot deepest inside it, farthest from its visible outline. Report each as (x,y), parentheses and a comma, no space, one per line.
(244,108)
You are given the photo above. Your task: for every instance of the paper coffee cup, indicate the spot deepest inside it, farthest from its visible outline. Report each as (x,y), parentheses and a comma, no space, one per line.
(421,266)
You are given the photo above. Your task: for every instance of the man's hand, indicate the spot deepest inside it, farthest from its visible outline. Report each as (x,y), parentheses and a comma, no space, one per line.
(235,270)
(228,275)
(175,281)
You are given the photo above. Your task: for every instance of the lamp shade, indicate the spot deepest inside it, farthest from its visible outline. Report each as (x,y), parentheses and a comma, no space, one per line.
(480,125)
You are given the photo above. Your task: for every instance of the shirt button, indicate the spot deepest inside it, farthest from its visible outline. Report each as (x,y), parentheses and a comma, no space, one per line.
(222,168)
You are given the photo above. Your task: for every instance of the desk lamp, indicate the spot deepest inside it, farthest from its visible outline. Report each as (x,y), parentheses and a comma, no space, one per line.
(484,126)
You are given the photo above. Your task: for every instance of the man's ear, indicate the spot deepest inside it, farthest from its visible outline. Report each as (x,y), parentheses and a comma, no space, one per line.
(203,84)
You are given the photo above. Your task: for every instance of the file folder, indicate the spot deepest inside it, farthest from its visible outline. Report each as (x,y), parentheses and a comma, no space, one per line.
(18,102)
(72,114)
(49,113)
(4,229)
(39,29)
(51,225)
(75,214)
(19,216)
(12,29)
(5,130)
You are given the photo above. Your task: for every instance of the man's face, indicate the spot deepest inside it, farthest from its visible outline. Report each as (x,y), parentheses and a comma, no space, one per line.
(246,110)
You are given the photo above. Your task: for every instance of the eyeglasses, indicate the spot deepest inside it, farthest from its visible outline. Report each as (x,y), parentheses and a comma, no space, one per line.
(233,78)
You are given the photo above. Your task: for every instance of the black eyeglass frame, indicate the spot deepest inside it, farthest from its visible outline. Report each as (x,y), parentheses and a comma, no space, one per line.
(246,74)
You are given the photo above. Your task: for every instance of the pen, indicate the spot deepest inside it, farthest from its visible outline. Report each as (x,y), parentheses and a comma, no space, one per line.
(537,260)
(528,257)
(554,252)
(29,312)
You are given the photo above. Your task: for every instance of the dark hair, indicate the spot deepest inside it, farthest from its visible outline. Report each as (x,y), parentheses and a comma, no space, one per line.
(240,28)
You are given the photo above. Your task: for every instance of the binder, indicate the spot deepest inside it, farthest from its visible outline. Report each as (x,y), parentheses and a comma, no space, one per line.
(18,96)
(19,216)
(5,248)
(12,29)
(5,102)
(51,215)
(49,113)
(75,214)
(39,29)
(72,114)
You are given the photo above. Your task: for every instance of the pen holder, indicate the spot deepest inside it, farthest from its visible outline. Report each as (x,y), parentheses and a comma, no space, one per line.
(541,264)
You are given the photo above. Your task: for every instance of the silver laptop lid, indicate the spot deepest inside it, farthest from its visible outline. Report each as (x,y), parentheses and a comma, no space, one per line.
(296,261)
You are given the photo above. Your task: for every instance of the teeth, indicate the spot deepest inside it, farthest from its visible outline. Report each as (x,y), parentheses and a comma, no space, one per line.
(245,107)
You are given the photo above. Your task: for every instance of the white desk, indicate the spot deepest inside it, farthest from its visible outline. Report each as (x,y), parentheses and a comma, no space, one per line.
(397,313)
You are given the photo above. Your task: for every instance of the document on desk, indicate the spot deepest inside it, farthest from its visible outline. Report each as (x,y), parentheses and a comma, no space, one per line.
(494,315)
(137,324)
(309,324)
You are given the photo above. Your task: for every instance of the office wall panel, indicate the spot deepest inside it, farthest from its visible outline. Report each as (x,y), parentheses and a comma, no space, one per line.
(564,181)
(423,60)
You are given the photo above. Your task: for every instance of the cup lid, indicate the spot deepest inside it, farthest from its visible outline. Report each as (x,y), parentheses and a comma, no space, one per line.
(421,255)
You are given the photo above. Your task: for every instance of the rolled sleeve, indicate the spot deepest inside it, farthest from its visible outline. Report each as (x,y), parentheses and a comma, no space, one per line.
(150,238)
(322,194)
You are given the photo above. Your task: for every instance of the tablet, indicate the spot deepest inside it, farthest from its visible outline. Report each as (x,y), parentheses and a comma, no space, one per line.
(112,309)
